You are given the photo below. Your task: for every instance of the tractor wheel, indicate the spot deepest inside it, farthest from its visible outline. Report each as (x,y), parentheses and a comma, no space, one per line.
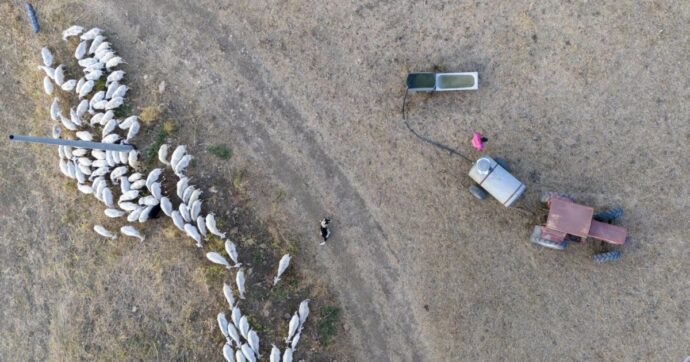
(607,256)
(478,192)
(546,195)
(608,215)
(536,239)
(503,163)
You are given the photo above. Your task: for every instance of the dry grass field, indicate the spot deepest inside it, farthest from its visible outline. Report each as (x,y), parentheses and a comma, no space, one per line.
(292,109)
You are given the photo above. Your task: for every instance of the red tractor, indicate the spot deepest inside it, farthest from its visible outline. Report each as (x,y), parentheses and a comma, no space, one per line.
(568,221)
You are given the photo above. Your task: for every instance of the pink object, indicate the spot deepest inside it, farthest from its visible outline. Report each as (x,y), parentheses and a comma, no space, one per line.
(567,217)
(477,141)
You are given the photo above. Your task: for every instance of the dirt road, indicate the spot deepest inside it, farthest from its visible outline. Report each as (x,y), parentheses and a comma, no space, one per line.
(587,98)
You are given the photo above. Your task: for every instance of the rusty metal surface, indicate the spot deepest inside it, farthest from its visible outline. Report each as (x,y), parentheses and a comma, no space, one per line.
(569,217)
(552,235)
(607,232)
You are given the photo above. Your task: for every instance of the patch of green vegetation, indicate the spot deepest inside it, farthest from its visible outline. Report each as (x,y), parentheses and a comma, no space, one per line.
(214,243)
(280,196)
(220,151)
(257,257)
(237,180)
(279,293)
(99,85)
(292,248)
(214,274)
(256,325)
(293,283)
(152,151)
(123,111)
(275,244)
(328,326)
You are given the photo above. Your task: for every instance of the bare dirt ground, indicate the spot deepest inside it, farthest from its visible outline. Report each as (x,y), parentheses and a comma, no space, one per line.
(583,97)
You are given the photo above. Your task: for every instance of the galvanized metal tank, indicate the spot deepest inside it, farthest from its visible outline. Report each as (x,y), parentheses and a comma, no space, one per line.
(496,180)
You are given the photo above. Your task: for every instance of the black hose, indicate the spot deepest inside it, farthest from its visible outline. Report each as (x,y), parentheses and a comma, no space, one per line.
(428,140)
(437,144)
(404,102)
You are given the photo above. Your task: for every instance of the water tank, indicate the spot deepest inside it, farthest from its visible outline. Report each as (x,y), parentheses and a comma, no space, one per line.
(496,180)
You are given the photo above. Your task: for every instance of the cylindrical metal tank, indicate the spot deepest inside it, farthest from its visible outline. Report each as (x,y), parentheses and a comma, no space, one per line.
(496,180)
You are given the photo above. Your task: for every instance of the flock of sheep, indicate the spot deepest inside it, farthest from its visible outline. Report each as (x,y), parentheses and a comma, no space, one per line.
(116,178)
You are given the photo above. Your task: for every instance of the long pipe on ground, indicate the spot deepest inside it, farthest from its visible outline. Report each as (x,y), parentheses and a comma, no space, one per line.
(73,143)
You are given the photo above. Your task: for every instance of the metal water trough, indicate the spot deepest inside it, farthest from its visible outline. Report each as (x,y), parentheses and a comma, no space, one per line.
(428,82)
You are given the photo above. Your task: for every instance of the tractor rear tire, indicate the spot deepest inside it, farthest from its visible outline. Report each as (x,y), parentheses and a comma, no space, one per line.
(608,215)
(607,256)
(478,192)
(536,239)
(546,195)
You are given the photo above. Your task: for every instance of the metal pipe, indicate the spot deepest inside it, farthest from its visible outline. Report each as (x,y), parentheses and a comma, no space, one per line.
(73,143)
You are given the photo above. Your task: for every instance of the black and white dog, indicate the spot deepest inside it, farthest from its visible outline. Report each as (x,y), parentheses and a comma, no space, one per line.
(325,233)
